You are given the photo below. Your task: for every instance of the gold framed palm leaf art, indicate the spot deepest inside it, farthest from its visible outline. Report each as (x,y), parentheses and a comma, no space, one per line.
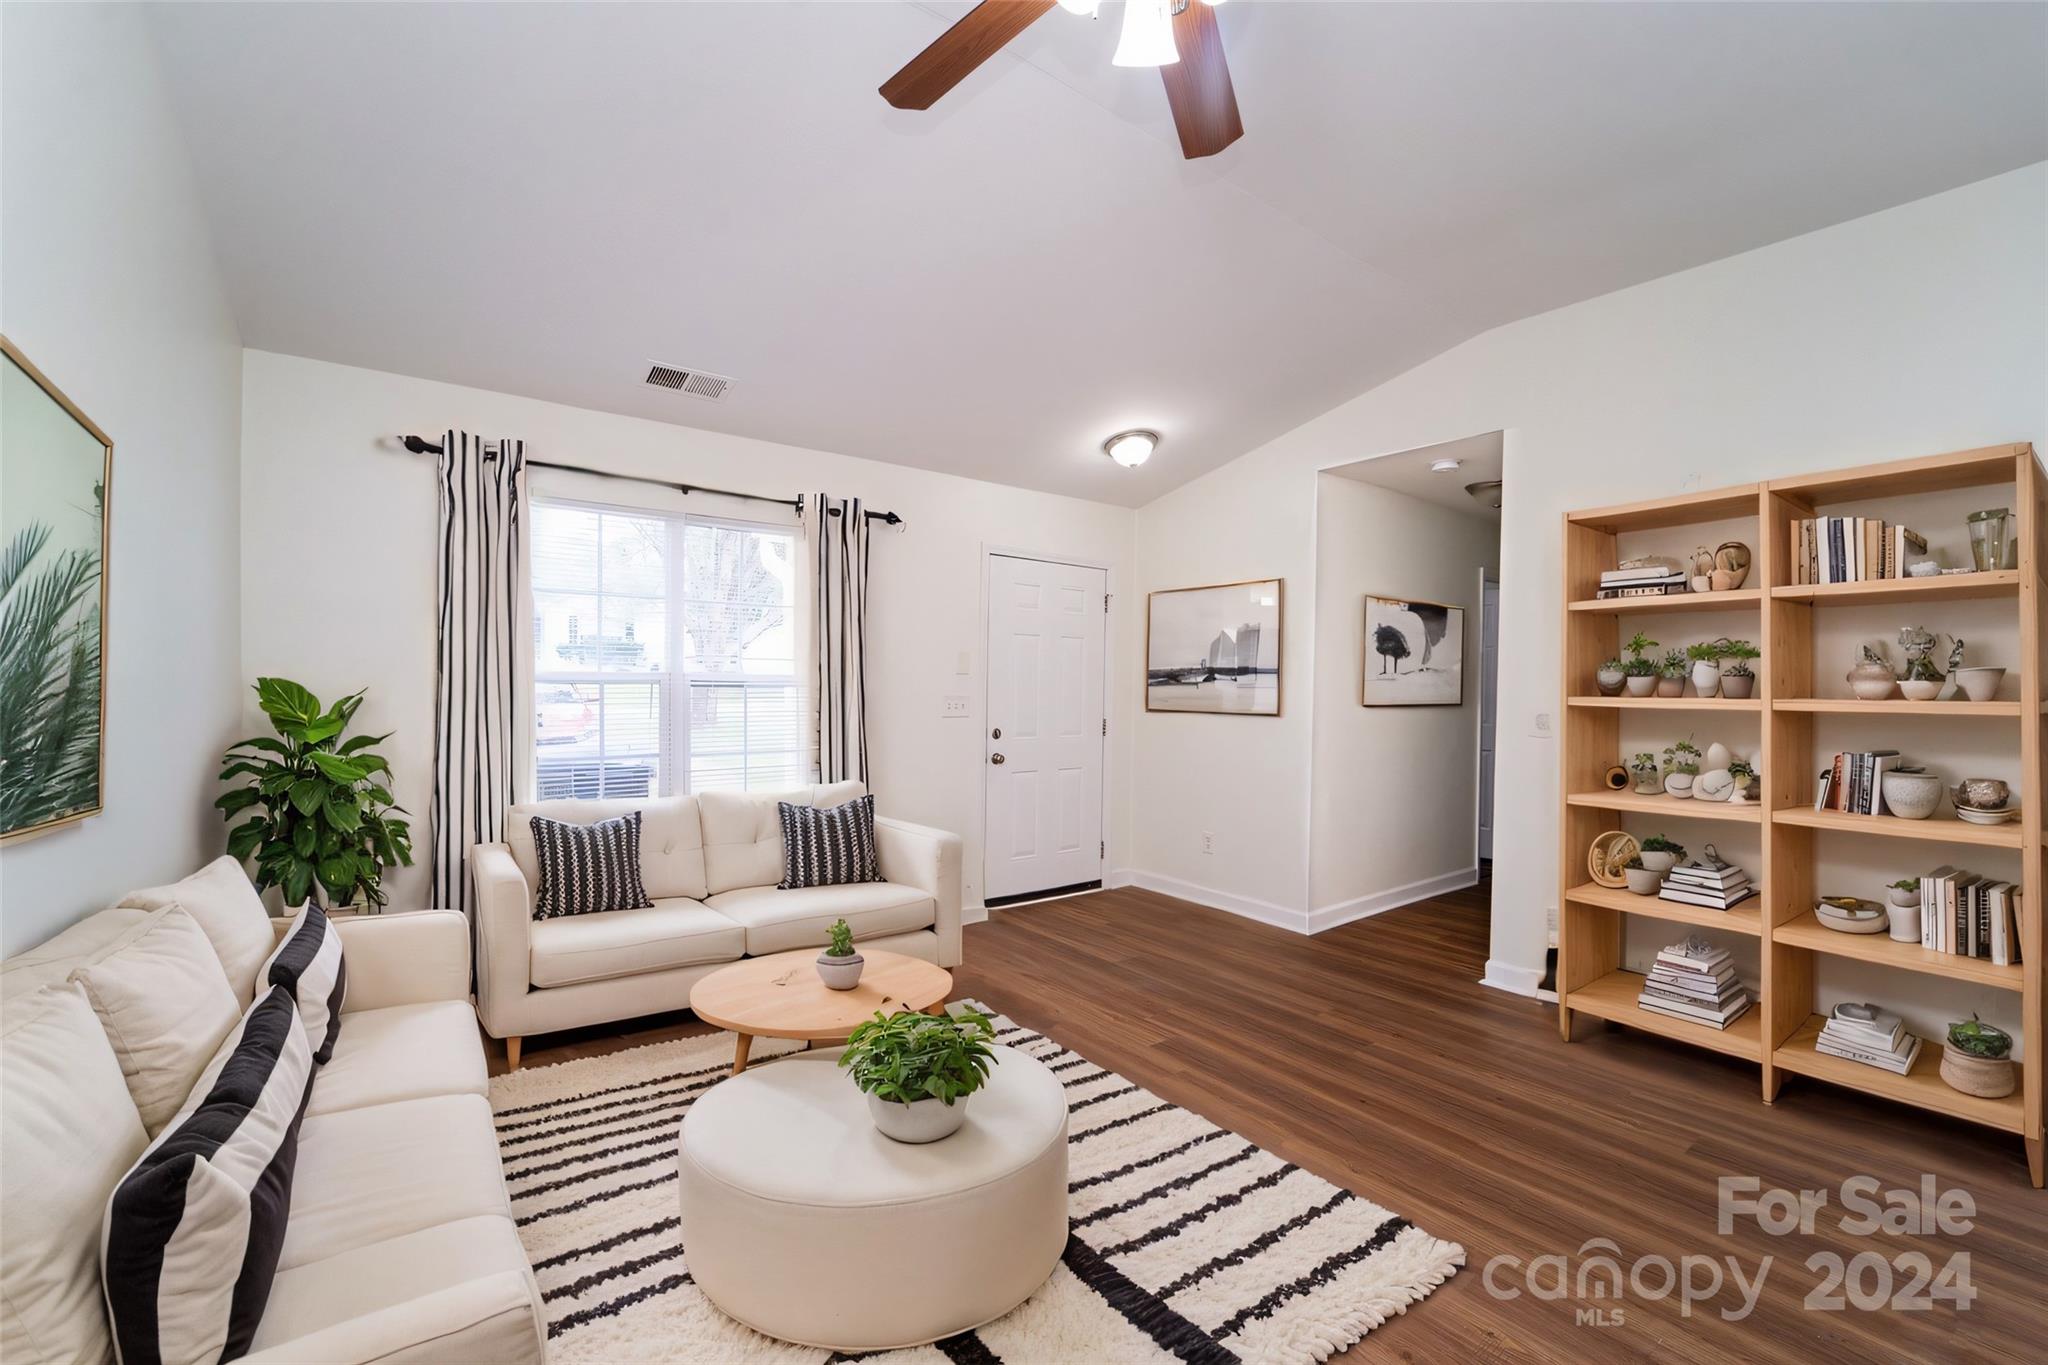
(56,467)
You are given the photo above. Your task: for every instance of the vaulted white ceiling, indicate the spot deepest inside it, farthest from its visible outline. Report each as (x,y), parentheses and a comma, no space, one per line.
(542,199)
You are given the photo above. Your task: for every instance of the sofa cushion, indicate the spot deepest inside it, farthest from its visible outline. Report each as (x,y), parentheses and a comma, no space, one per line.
(668,933)
(165,1003)
(404,1052)
(368,1175)
(777,921)
(227,906)
(308,963)
(68,1131)
(192,1233)
(51,962)
(743,832)
(399,1270)
(587,869)
(828,846)
(671,839)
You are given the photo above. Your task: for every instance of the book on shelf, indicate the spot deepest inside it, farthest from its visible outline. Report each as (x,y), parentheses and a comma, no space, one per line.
(1642,573)
(1966,915)
(1854,782)
(1696,982)
(1899,1063)
(1851,549)
(1663,589)
(1868,1035)
(1707,881)
(1706,900)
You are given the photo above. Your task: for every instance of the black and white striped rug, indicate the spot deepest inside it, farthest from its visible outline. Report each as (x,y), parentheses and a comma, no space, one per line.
(1187,1241)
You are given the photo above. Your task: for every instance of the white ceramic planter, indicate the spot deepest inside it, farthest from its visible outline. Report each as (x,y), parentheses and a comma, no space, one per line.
(1980,684)
(921,1121)
(840,973)
(1643,881)
(1657,860)
(1912,796)
(1642,686)
(1905,924)
(1706,677)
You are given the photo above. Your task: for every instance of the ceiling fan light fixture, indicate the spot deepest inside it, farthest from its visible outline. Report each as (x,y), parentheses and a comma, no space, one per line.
(1147,37)
(1084,8)
(1131,448)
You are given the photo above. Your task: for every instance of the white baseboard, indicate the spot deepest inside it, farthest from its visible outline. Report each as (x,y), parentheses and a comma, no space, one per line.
(1117,877)
(1379,902)
(974,914)
(1512,977)
(1265,912)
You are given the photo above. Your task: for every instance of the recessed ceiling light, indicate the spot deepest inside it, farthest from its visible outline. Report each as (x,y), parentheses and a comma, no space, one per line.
(1443,466)
(1131,448)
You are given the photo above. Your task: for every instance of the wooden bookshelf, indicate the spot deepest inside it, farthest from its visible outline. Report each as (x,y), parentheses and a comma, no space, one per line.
(1779,1031)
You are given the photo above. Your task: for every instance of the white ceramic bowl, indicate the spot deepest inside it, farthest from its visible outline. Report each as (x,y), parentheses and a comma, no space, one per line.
(1980,684)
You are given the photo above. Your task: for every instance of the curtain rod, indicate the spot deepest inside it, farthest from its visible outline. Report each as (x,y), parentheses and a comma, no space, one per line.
(420,446)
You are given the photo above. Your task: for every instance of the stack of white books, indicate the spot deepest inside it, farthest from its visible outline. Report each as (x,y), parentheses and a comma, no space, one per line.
(1872,1036)
(1642,580)
(1708,882)
(1695,981)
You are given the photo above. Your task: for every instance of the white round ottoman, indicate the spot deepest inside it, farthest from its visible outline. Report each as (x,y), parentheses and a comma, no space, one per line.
(803,1222)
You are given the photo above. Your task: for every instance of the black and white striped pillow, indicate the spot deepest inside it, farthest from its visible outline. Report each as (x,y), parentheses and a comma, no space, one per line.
(308,963)
(828,847)
(585,869)
(190,1241)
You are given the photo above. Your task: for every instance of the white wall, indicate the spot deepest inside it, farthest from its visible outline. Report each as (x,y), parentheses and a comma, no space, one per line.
(1913,331)
(1393,790)
(338,567)
(111,291)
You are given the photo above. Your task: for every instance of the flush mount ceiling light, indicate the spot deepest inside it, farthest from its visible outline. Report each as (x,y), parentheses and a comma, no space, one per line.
(1443,466)
(1486,491)
(1131,448)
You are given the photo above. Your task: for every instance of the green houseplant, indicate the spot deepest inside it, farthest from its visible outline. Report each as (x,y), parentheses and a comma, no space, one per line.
(1681,766)
(1977,1059)
(1640,671)
(1706,666)
(1660,854)
(1671,674)
(839,965)
(918,1070)
(1738,679)
(1649,781)
(319,814)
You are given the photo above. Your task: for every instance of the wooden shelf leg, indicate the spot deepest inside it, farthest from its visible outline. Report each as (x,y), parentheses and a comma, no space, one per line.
(1564,1022)
(2034,1161)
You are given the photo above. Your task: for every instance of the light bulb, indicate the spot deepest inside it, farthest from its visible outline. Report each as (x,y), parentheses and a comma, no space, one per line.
(1147,38)
(1085,8)
(1131,448)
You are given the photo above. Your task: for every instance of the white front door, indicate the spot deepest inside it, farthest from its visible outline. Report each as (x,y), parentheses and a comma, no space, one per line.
(1044,737)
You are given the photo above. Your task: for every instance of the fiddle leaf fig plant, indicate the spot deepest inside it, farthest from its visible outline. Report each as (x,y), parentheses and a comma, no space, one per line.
(907,1057)
(319,812)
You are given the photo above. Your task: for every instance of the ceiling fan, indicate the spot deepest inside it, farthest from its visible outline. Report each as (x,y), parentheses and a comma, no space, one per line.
(1179,37)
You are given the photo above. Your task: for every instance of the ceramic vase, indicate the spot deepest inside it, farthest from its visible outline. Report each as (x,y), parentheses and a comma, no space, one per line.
(1911,796)
(1706,677)
(919,1121)
(1716,756)
(1872,681)
(1980,684)
(1642,686)
(1737,685)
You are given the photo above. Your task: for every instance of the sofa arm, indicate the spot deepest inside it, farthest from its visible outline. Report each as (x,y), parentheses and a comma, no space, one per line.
(928,859)
(493,1318)
(411,957)
(504,913)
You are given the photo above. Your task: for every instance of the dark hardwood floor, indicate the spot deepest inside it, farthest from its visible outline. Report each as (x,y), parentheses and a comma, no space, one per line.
(1371,1056)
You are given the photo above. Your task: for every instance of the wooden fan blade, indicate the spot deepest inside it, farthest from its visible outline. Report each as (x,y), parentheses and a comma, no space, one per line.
(956,52)
(1198,85)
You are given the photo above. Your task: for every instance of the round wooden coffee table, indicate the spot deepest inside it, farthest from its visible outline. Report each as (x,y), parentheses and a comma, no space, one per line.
(780,996)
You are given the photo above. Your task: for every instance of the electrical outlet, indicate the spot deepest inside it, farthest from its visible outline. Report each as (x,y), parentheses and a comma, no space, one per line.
(1208,842)
(954,706)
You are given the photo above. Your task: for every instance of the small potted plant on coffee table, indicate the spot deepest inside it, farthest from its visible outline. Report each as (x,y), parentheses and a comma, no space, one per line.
(839,965)
(1977,1059)
(1738,679)
(918,1070)
(1640,672)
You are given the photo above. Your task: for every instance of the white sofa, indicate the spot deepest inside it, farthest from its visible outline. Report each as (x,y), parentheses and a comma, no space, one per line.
(710,864)
(400,1245)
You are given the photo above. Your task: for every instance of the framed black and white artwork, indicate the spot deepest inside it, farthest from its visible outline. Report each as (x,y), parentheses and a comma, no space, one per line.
(1214,649)
(1414,653)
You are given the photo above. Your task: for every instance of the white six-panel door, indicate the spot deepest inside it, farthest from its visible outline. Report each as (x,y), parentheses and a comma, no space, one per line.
(1044,728)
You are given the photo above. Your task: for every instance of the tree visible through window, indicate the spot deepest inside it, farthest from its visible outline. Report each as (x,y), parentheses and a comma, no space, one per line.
(642,621)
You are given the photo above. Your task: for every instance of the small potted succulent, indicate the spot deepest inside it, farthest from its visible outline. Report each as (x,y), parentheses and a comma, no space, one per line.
(1649,779)
(918,1070)
(1644,881)
(1977,1059)
(1904,895)
(839,965)
(1681,766)
(1706,667)
(1660,855)
(1609,678)
(1640,670)
(1745,775)
(1671,674)
(1738,679)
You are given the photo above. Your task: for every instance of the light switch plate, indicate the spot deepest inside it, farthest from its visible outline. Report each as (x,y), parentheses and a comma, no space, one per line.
(954,707)
(1541,727)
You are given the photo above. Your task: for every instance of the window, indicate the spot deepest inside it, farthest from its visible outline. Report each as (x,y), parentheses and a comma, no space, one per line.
(664,654)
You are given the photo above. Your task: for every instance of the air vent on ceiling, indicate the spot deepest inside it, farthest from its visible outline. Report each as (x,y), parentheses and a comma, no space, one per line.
(696,383)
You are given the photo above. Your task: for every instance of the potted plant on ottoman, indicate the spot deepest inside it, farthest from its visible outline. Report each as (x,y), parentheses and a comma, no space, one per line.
(1660,855)
(1641,670)
(1706,667)
(917,1070)
(1738,679)
(839,965)
(1977,1059)
(1671,674)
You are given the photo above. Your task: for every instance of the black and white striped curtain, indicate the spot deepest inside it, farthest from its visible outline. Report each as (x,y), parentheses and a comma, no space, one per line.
(477,700)
(836,539)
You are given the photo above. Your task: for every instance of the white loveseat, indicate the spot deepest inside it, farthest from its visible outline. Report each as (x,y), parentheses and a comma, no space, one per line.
(710,864)
(400,1244)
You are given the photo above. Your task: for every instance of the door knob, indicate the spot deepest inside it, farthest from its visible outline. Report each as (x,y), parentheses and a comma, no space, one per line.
(995,758)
